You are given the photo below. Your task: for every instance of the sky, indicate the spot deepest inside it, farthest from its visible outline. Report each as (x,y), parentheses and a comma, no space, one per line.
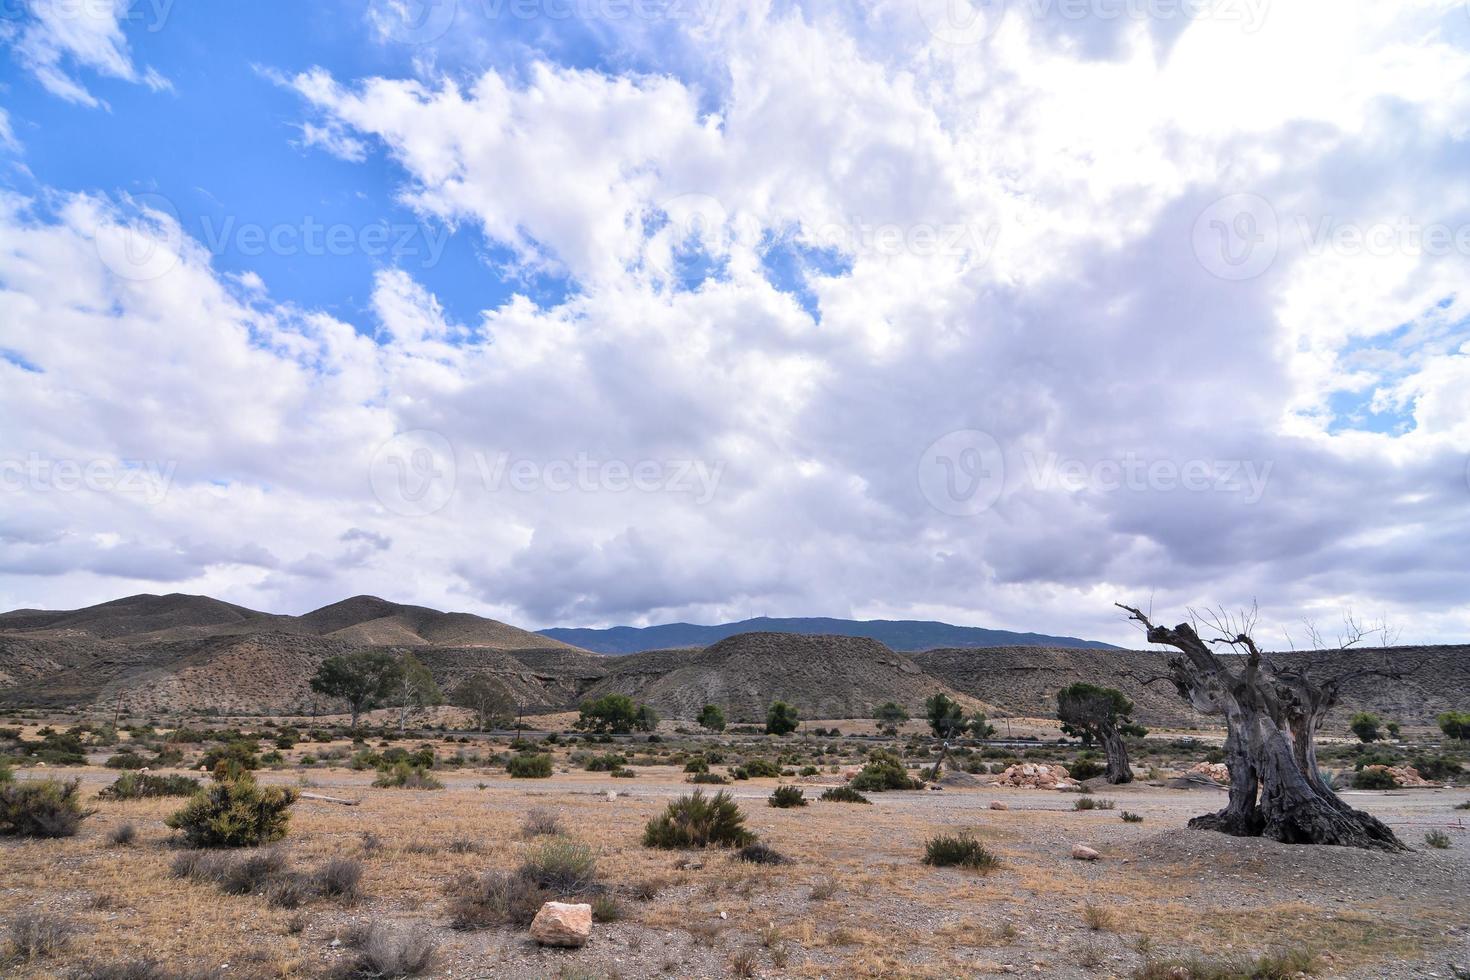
(595,312)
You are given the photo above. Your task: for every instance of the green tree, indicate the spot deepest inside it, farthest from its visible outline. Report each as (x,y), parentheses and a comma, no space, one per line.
(890,715)
(1105,715)
(361,679)
(781,719)
(1455,724)
(712,718)
(414,687)
(487,697)
(615,714)
(980,727)
(1365,726)
(945,715)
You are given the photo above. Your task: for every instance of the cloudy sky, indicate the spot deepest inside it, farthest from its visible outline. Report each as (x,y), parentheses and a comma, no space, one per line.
(583,312)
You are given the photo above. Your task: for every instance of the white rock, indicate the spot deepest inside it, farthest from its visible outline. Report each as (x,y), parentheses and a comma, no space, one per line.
(1081,852)
(562,924)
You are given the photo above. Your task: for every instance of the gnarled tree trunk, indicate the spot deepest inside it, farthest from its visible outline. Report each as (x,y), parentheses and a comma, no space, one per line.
(1276,790)
(1119,771)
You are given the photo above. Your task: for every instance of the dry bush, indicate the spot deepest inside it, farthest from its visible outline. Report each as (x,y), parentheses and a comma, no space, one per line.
(122,835)
(563,866)
(340,877)
(392,951)
(35,935)
(1099,918)
(541,822)
(759,853)
(962,849)
(823,888)
(494,898)
(41,808)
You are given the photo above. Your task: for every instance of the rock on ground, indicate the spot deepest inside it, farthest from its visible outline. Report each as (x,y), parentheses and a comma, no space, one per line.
(562,924)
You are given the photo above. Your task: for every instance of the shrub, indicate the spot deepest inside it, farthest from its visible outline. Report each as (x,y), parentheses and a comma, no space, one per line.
(234,812)
(697,820)
(761,768)
(786,797)
(144,785)
(708,777)
(401,775)
(562,866)
(606,762)
(1089,803)
(843,794)
(122,835)
(759,853)
(340,877)
(1455,724)
(1373,779)
(949,850)
(41,808)
(239,752)
(696,766)
(1084,769)
(781,719)
(34,935)
(1274,966)
(394,951)
(622,774)
(495,898)
(1131,817)
(883,771)
(606,908)
(126,760)
(1437,839)
(529,765)
(540,823)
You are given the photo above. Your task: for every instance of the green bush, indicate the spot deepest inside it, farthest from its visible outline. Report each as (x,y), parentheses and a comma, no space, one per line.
(1084,769)
(401,775)
(1455,724)
(1437,839)
(239,752)
(761,768)
(561,866)
(126,760)
(711,778)
(759,853)
(844,794)
(529,765)
(145,785)
(963,850)
(1373,779)
(606,762)
(1089,803)
(235,812)
(697,820)
(786,797)
(696,766)
(41,808)
(883,771)
(1131,817)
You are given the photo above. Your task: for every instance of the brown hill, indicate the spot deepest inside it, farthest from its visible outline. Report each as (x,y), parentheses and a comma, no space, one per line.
(370,621)
(824,676)
(135,615)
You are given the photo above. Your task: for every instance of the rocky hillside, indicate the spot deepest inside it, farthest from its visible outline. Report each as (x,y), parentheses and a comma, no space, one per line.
(190,654)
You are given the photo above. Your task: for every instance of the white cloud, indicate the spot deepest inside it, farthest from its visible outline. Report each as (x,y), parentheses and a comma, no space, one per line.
(1009,233)
(62,36)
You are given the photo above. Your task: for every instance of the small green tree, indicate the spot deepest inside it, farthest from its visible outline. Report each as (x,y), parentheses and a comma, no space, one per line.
(980,726)
(414,687)
(487,697)
(1365,726)
(712,718)
(234,811)
(614,714)
(1394,729)
(889,716)
(362,679)
(945,715)
(781,719)
(647,718)
(1103,714)
(1455,724)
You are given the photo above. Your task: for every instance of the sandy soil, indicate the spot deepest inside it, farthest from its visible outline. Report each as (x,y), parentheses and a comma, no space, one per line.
(1158,888)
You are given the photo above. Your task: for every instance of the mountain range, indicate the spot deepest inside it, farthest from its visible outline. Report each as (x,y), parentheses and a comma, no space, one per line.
(906,635)
(188,655)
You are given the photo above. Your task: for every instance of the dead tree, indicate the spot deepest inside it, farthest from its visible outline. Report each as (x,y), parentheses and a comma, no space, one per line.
(1271,714)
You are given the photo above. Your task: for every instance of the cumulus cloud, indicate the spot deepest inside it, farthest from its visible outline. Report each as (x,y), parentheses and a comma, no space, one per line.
(815,300)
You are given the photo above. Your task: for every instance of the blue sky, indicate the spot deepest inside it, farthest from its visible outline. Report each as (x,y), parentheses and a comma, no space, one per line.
(700,310)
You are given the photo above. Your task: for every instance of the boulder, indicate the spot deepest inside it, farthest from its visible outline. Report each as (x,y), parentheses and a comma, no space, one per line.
(1217,771)
(1031,775)
(562,924)
(998,805)
(1081,852)
(1402,775)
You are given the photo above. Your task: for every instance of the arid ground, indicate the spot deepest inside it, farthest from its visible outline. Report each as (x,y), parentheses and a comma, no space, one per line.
(854,901)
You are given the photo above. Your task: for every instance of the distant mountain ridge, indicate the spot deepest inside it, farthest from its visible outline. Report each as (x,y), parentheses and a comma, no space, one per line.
(903,635)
